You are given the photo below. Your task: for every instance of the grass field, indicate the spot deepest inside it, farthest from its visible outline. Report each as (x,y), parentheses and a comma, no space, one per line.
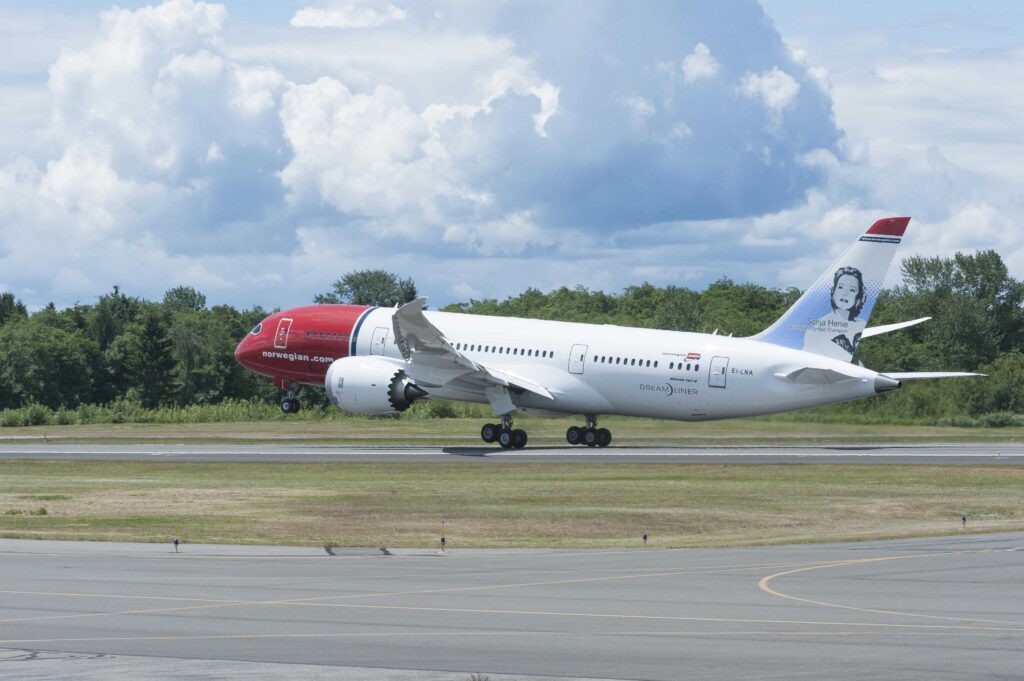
(466,431)
(501,505)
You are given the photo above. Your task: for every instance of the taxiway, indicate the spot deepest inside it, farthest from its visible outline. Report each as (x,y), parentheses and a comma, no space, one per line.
(944,608)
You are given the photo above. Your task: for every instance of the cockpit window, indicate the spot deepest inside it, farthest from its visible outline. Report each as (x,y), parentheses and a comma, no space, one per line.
(256,329)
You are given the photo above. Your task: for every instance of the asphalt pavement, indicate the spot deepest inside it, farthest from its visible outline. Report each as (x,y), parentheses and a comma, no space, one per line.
(1005,453)
(944,608)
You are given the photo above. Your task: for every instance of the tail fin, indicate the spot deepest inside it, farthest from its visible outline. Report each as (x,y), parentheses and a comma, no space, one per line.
(830,316)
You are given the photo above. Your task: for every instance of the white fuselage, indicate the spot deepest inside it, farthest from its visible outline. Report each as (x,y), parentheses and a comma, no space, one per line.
(604,369)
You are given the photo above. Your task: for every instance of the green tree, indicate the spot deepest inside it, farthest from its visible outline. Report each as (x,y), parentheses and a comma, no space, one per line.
(44,363)
(742,309)
(112,313)
(11,308)
(141,359)
(184,299)
(369,287)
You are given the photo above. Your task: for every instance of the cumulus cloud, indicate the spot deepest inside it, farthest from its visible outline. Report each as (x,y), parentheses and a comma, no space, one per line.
(439,138)
(510,234)
(776,89)
(349,14)
(699,64)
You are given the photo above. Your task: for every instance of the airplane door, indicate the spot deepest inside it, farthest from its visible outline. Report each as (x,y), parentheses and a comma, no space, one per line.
(281,337)
(716,378)
(380,338)
(577,356)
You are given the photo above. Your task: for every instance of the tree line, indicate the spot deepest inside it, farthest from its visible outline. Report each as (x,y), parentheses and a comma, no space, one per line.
(180,352)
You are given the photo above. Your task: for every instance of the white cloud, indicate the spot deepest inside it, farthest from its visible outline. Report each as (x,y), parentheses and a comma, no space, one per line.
(776,89)
(349,14)
(511,234)
(699,64)
(265,161)
(365,154)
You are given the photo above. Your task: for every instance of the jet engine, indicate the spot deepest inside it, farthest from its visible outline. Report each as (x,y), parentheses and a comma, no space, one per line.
(371,385)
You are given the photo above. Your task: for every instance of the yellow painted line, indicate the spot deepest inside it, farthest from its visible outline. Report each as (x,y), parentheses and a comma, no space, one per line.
(117,596)
(212,603)
(763,585)
(664,618)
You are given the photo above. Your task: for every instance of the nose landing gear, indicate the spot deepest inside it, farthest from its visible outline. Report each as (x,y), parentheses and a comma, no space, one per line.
(290,404)
(591,435)
(505,435)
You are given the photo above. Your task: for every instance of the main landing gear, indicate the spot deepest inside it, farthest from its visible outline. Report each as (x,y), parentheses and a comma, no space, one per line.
(504,435)
(591,435)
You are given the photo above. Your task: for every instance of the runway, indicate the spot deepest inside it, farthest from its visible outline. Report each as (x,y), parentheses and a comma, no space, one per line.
(948,608)
(1004,453)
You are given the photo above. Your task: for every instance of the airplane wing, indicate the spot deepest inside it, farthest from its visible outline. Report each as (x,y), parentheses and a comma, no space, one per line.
(886,328)
(921,375)
(434,361)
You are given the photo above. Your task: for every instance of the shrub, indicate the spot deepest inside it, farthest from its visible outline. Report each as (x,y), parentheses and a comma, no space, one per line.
(12,418)
(37,415)
(999,419)
(63,417)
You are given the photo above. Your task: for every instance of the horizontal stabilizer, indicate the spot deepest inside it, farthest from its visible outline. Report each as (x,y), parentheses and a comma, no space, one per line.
(886,328)
(921,375)
(815,376)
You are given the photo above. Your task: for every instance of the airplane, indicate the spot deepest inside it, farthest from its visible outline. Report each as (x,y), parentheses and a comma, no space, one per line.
(375,360)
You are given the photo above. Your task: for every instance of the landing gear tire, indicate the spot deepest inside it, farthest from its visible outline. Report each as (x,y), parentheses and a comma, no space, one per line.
(290,406)
(574,435)
(590,437)
(519,438)
(489,433)
(505,439)
(604,437)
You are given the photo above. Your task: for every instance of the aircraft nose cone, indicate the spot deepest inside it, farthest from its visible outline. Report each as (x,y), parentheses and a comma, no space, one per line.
(245,352)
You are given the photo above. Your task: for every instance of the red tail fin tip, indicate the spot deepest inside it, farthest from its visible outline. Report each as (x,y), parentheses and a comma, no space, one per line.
(890,226)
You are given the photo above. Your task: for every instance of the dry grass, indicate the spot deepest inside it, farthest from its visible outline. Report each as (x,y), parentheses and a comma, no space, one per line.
(501,505)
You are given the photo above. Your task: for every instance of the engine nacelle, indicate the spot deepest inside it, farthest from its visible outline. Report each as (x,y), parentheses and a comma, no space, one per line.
(370,385)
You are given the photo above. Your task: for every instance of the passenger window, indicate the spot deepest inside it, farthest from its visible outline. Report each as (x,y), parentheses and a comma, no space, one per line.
(632,362)
(648,362)
(696,367)
(655,364)
(671,365)
(618,359)
(687,366)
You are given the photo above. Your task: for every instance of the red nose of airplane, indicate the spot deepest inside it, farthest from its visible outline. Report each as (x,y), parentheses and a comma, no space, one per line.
(248,349)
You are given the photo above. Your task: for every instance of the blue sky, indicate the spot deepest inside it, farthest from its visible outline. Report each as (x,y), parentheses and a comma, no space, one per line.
(259,150)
